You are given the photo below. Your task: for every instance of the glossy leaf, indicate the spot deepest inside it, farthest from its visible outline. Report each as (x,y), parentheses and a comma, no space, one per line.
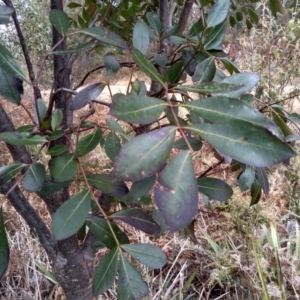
(106,271)
(230,66)
(215,36)
(41,108)
(50,187)
(137,218)
(209,87)
(149,255)
(63,167)
(112,145)
(71,215)
(249,144)
(262,178)
(146,66)
(246,179)
(177,196)
(177,40)
(221,109)
(137,109)
(57,150)
(173,72)
(106,36)
(25,128)
(34,178)
(4,248)
(205,71)
(56,135)
(154,22)
(105,184)
(114,125)
(22,138)
(246,80)
(101,230)
(56,119)
(218,13)
(194,143)
(255,192)
(214,188)
(173,31)
(144,155)
(112,65)
(139,189)
(9,65)
(87,95)
(88,143)
(11,87)
(161,59)
(5,14)
(140,37)
(59,20)
(9,172)
(160,222)
(196,28)
(130,282)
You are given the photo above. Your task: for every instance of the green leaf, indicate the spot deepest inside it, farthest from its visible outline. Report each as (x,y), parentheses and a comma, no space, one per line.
(245,80)
(177,196)
(74,5)
(146,66)
(214,188)
(11,87)
(177,40)
(106,271)
(139,189)
(114,125)
(218,13)
(196,28)
(111,64)
(160,221)
(140,37)
(56,135)
(149,255)
(173,31)
(172,73)
(105,184)
(63,167)
(59,20)
(215,36)
(262,178)
(276,7)
(255,192)
(9,64)
(88,143)
(205,71)
(41,108)
(50,187)
(25,128)
(161,59)
(56,119)
(101,230)
(71,215)
(77,49)
(253,15)
(9,172)
(181,144)
(208,87)
(4,248)
(244,142)
(154,22)
(130,283)
(46,273)
(137,218)
(106,36)
(34,178)
(137,109)
(87,95)
(144,155)
(112,145)
(221,109)
(22,138)
(230,66)
(5,14)
(246,179)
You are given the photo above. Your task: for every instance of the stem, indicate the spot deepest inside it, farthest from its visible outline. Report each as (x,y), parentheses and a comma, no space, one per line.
(175,119)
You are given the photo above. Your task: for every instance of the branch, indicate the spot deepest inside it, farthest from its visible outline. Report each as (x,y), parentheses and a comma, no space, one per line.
(22,206)
(37,92)
(184,16)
